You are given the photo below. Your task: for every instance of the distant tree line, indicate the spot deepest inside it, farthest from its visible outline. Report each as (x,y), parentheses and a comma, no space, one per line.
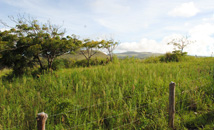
(29,42)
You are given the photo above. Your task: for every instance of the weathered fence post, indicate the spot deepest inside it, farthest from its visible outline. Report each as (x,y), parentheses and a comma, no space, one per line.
(171,104)
(41,119)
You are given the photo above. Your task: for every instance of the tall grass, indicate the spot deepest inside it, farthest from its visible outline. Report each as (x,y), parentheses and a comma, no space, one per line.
(125,95)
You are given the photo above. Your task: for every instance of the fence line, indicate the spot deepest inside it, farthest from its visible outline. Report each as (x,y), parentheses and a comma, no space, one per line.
(116,115)
(96,104)
(115,100)
(100,104)
(141,118)
(83,108)
(121,99)
(122,114)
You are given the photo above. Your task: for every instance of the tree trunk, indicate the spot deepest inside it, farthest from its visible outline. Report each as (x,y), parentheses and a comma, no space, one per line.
(48,58)
(40,63)
(50,65)
(88,64)
(111,57)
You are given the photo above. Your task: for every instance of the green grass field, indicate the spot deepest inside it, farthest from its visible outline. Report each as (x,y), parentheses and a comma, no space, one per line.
(129,94)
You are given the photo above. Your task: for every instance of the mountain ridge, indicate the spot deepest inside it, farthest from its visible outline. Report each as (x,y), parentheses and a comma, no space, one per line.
(141,55)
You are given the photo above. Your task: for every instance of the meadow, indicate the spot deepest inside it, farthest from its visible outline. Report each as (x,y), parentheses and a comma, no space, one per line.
(125,94)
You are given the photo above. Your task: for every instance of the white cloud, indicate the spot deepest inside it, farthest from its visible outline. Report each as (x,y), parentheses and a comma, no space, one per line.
(203,34)
(184,10)
(205,29)
(204,45)
(145,45)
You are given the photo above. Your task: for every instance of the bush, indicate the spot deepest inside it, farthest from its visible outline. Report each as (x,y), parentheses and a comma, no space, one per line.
(69,62)
(58,64)
(175,56)
(152,59)
(95,61)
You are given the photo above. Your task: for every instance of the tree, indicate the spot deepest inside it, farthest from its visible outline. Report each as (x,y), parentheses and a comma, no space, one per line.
(110,45)
(57,46)
(13,52)
(89,48)
(30,42)
(180,43)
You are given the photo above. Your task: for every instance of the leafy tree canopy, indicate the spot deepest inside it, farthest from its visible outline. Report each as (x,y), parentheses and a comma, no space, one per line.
(29,42)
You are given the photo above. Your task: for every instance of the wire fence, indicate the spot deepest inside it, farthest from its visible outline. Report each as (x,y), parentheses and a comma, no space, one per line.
(115,115)
(114,100)
(123,113)
(142,118)
(98,104)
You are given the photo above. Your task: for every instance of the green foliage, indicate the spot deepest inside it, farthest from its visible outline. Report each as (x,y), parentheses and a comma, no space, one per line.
(63,63)
(152,59)
(109,45)
(175,56)
(89,49)
(58,64)
(25,45)
(115,59)
(132,95)
(180,43)
(92,62)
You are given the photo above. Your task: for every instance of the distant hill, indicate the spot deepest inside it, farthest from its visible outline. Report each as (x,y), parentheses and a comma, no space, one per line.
(99,54)
(78,56)
(140,55)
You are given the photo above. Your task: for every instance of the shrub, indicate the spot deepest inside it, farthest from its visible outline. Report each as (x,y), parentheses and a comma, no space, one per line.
(69,62)
(175,56)
(95,61)
(58,64)
(63,63)
(152,59)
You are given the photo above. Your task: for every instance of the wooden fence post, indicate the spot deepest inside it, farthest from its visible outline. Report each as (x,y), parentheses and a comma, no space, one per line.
(171,104)
(41,119)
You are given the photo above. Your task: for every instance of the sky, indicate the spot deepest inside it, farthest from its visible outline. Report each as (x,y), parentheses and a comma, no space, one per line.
(138,25)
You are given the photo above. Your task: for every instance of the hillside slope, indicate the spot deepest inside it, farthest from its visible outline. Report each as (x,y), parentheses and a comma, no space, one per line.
(140,55)
(78,56)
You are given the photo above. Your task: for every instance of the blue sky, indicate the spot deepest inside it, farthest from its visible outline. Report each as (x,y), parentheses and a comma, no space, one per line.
(139,25)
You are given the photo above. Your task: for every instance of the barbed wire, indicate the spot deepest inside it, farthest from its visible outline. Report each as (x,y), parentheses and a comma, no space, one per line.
(116,115)
(94,105)
(147,114)
(117,100)
(130,111)
(122,113)
(109,102)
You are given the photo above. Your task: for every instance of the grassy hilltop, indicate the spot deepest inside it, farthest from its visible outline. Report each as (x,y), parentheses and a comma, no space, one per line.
(125,94)
(78,56)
